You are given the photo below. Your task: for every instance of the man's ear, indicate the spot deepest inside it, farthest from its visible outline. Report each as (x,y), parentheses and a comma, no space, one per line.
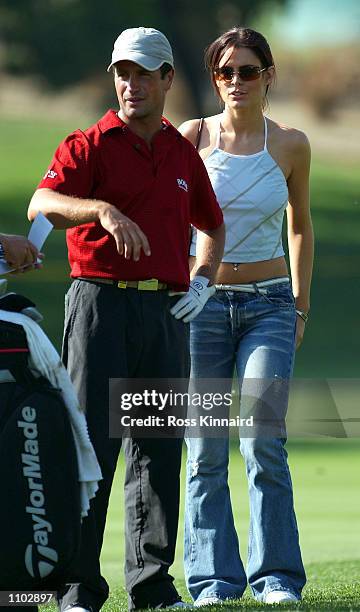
(168,78)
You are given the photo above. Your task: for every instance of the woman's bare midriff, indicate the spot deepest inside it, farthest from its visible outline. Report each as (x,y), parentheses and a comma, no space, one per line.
(248,272)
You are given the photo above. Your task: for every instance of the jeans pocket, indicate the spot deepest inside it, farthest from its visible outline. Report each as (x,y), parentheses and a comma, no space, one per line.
(283,298)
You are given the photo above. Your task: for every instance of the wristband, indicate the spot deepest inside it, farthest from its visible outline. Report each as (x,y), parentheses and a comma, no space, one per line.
(303,315)
(2,252)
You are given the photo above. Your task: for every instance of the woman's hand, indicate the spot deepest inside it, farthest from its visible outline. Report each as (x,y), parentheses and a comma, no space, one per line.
(300,329)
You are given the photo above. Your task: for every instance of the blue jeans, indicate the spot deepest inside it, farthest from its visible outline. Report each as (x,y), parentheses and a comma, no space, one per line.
(255,333)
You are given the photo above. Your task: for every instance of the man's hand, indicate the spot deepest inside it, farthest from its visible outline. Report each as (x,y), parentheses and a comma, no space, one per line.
(189,306)
(129,238)
(20,253)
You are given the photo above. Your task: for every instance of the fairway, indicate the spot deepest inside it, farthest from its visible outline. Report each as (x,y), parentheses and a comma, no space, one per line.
(325,472)
(326,477)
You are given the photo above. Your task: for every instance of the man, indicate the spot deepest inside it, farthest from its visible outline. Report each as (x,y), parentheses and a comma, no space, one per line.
(127,189)
(18,252)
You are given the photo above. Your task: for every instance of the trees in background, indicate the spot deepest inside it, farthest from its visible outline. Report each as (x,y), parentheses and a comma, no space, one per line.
(68,41)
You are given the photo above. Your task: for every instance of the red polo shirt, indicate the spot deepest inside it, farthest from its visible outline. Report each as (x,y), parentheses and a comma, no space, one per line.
(163,190)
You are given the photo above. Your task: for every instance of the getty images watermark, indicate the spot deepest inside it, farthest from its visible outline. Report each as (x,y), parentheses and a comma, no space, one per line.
(268,408)
(195,408)
(171,400)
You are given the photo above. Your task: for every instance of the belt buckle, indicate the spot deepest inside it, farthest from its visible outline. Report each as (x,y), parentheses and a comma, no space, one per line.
(150,284)
(122,284)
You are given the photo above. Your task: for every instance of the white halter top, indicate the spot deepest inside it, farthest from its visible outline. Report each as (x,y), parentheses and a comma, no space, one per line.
(253,194)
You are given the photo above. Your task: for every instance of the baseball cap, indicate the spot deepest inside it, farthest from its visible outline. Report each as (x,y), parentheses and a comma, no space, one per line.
(145,46)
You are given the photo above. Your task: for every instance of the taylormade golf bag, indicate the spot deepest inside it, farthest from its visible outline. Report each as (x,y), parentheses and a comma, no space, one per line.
(39,499)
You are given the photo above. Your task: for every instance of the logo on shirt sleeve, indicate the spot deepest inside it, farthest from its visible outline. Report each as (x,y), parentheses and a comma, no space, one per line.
(182,184)
(50,174)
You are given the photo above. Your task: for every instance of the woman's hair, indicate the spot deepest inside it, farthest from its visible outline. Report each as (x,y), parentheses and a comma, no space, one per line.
(238,37)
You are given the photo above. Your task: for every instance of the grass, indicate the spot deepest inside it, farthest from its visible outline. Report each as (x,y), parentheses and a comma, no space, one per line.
(325,473)
(340,598)
(326,477)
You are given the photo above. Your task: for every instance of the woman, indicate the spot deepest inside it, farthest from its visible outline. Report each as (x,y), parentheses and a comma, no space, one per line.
(254,322)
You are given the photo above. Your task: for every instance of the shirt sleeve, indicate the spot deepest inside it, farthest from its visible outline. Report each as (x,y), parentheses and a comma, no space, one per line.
(71,171)
(205,212)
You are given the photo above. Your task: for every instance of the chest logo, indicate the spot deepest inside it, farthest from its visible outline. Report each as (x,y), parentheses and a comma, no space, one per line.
(182,184)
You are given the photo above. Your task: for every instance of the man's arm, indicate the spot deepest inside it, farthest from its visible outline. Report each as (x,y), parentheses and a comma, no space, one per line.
(209,251)
(19,253)
(66,211)
(205,211)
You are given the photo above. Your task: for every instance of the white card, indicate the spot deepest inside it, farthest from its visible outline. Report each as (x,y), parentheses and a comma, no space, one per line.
(39,231)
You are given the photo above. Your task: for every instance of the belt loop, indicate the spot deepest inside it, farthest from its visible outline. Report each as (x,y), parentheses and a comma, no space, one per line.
(258,290)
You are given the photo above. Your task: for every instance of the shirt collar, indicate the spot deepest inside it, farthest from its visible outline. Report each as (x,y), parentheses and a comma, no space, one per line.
(112,120)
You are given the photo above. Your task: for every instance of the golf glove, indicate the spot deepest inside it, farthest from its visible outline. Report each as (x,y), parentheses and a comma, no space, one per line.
(189,306)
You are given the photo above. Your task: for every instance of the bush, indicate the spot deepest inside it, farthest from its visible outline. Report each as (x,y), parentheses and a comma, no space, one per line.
(324,79)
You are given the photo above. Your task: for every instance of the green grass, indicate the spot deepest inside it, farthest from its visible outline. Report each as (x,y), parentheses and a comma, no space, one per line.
(326,477)
(340,597)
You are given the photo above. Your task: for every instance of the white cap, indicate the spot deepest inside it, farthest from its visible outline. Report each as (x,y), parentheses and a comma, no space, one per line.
(145,46)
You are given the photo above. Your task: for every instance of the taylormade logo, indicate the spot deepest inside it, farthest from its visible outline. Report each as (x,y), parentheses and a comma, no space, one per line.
(40,559)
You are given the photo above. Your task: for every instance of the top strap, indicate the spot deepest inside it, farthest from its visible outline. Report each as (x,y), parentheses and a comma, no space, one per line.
(218,135)
(198,136)
(266,133)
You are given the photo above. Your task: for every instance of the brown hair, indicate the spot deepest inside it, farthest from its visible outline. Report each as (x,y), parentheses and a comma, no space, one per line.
(238,37)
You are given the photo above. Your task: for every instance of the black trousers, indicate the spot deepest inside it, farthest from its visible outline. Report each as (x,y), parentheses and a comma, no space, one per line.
(126,333)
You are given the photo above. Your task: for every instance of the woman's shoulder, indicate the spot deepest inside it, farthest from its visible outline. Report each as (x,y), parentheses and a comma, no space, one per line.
(288,138)
(190,128)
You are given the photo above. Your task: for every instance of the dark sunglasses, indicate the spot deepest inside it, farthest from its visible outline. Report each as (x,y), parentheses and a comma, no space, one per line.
(246,73)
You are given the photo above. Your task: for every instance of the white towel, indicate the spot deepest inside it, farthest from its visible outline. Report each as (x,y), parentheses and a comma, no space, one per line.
(45,361)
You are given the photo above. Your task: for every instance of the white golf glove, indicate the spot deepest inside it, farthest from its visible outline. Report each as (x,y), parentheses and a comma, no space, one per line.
(189,306)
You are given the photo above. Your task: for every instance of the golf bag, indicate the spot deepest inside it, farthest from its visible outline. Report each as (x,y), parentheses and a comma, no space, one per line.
(40,498)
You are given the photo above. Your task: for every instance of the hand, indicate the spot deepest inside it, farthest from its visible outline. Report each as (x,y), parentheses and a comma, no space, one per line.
(128,236)
(189,306)
(300,329)
(20,253)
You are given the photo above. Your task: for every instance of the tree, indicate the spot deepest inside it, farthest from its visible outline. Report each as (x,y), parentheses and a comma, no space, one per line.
(67,41)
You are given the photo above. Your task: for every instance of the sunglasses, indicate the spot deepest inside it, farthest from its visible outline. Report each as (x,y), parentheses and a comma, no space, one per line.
(246,73)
